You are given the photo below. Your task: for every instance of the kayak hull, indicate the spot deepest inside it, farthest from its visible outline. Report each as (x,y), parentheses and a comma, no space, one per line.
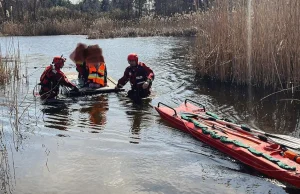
(261,164)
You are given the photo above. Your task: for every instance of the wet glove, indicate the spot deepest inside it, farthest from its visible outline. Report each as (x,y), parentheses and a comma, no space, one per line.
(117,87)
(146,84)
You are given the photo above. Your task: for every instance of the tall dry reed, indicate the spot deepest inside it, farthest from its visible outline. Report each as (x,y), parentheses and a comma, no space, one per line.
(10,66)
(228,49)
(5,71)
(10,77)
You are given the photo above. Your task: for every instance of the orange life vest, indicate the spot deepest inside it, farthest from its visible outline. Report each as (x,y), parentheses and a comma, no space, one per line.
(97,73)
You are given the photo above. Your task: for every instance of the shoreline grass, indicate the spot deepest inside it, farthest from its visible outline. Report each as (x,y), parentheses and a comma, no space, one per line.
(104,27)
(177,25)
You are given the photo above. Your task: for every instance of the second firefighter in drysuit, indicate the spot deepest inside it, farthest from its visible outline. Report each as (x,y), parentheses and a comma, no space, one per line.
(140,77)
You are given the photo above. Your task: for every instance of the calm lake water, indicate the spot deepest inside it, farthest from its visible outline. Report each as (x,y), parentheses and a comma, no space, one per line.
(107,144)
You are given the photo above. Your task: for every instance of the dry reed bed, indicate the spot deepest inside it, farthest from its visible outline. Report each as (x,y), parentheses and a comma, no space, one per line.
(9,75)
(45,27)
(104,27)
(10,68)
(222,46)
(178,25)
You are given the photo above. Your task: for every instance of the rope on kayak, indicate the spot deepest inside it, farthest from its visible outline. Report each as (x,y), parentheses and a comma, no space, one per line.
(226,140)
(257,168)
(217,117)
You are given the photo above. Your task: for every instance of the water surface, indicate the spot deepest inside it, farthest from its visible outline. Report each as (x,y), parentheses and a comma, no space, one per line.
(107,144)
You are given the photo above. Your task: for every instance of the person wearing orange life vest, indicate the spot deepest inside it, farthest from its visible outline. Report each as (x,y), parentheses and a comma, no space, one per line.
(95,66)
(140,77)
(52,78)
(97,73)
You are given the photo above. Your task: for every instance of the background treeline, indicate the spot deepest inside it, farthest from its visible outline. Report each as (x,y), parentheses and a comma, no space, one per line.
(33,10)
(100,18)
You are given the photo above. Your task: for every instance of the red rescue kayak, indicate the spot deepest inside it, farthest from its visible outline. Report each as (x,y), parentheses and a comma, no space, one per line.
(263,155)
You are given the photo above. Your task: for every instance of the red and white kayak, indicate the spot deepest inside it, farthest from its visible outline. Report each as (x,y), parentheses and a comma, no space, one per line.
(265,156)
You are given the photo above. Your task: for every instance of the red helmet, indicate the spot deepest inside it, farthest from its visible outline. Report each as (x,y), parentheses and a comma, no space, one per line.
(133,57)
(58,61)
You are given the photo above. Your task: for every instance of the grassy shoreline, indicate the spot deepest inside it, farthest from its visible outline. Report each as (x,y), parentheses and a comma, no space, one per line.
(178,25)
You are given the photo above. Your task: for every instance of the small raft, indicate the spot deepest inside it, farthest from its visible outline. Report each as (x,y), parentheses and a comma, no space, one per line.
(83,91)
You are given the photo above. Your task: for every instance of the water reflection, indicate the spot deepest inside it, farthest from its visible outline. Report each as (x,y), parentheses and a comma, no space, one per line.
(96,109)
(138,114)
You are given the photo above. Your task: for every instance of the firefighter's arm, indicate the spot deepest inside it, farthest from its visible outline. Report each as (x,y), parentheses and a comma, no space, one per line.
(150,76)
(64,81)
(149,73)
(123,80)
